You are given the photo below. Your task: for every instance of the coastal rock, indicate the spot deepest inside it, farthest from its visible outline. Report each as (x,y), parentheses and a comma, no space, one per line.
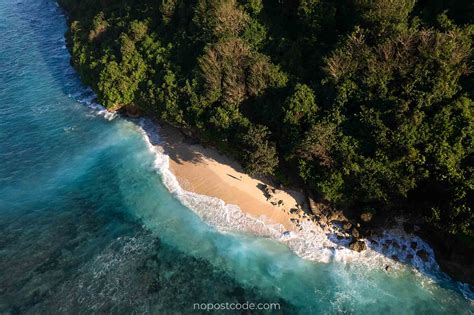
(336,216)
(395,257)
(313,207)
(358,246)
(367,216)
(413,245)
(422,254)
(321,218)
(269,192)
(355,233)
(293,210)
(370,233)
(346,226)
(395,245)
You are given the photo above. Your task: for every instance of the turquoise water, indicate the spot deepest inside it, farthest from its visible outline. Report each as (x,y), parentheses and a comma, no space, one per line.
(87,225)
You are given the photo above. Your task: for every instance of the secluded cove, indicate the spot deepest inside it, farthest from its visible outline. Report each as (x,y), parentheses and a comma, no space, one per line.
(89,224)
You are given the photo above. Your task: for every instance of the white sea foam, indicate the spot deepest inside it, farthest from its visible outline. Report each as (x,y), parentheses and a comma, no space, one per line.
(312,242)
(88,98)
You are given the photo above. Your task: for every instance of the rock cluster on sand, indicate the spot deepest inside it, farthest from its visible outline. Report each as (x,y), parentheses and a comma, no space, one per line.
(270,194)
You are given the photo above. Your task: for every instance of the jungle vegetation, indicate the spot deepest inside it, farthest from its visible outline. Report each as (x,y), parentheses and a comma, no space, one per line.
(367,103)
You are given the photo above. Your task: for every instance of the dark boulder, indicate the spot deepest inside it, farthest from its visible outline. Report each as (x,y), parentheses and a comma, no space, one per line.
(355,233)
(358,246)
(336,216)
(293,210)
(367,216)
(346,226)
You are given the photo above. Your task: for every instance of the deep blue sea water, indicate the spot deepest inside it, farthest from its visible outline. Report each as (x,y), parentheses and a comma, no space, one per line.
(87,225)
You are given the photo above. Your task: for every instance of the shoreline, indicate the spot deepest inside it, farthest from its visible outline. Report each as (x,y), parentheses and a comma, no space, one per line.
(205,171)
(189,167)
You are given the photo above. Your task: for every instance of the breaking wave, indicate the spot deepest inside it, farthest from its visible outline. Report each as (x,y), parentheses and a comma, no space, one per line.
(394,250)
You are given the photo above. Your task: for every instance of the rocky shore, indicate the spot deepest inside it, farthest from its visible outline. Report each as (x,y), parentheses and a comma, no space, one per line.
(205,171)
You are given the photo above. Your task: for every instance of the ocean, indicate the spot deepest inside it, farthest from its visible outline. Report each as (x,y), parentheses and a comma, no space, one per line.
(93,221)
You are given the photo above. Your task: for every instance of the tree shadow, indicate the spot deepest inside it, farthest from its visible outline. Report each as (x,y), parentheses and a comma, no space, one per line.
(234,177)
(178,146)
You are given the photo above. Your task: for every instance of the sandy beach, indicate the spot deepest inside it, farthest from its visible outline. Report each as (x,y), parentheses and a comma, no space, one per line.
(205,171)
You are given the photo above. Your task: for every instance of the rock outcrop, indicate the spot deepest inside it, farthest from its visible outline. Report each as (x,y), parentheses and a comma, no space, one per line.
(358,246)
(355,233)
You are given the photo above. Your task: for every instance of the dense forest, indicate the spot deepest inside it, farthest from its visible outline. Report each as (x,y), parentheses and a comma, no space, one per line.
(368,104)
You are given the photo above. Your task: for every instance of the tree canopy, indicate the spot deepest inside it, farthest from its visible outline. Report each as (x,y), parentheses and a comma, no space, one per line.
(368,103)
